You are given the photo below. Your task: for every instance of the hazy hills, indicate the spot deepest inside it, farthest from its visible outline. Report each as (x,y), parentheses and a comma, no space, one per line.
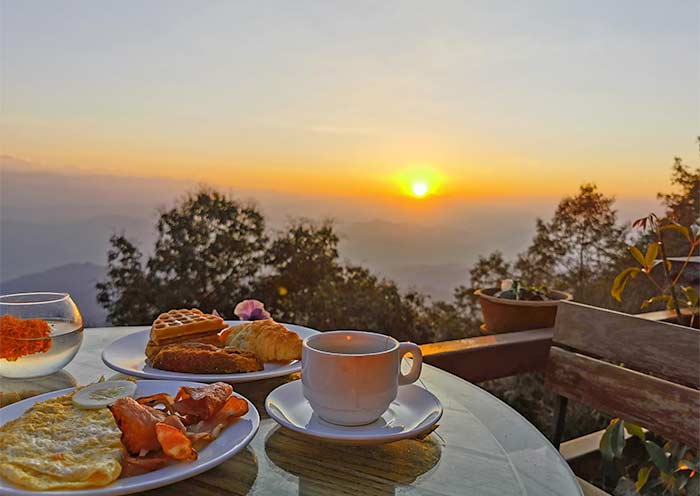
(55,228)
(29,247)
(77,279)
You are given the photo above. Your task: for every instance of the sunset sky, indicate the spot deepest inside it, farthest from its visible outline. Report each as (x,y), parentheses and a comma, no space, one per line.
(471,99)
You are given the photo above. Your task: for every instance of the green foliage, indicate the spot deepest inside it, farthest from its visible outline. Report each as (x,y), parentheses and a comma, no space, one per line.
(676,235)
(208,252)
(683,206)
(581,242)
(667,289)
(642,478)
(671,469)
(529,396)
(487,272)
(212,252)
(306,283)
(577,250)
(621,281)
(515,290)
(657,456)
(127,293)
(635,430)
(613,441)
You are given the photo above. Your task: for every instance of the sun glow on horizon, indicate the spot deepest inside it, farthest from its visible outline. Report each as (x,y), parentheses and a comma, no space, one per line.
(420,182)
(419,189)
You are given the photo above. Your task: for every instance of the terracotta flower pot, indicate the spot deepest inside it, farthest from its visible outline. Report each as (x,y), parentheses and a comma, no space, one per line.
(504,315)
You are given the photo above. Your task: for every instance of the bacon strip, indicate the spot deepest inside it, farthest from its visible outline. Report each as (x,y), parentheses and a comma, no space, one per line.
(175,421)
(158,399)
(233,408)
(137,423)
(202,402)
(174,442)
(195,416)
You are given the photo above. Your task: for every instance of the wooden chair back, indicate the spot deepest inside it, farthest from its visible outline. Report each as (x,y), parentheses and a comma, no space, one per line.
(640,370)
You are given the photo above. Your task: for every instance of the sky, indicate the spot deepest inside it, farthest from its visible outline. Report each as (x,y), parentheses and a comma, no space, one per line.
(391,100)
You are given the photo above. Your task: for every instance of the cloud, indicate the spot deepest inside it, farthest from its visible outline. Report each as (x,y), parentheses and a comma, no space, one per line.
(343,130)
(8,162)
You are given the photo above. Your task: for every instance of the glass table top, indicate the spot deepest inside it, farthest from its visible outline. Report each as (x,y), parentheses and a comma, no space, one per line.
(480,447)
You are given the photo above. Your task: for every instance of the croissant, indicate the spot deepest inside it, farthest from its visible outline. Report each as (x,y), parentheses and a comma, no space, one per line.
(270,341)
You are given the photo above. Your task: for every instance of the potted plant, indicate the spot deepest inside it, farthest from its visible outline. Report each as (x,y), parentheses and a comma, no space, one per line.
(517,307)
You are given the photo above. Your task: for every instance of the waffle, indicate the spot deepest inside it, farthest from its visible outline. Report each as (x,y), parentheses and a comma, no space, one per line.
(183,322)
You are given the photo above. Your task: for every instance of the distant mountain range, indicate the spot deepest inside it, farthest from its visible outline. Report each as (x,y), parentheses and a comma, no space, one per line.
(43,257)
(431,259)
(79,280)
(30,247)
(76,279)
(55,228)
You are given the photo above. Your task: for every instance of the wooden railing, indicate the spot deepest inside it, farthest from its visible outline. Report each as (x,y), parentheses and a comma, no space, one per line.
(491,357)
(500,355)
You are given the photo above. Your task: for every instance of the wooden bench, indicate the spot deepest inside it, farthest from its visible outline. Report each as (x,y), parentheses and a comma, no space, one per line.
(660,361)
(640,370)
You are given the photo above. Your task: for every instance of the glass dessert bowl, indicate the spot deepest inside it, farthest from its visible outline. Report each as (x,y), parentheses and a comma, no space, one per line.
(40,333)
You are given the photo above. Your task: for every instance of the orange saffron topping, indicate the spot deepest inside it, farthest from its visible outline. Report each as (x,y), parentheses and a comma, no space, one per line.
(19,337)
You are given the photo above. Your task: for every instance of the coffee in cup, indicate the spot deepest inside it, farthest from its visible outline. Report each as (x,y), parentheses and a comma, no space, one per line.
(351,377)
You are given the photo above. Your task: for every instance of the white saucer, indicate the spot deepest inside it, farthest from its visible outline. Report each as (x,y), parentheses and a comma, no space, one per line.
(415,410)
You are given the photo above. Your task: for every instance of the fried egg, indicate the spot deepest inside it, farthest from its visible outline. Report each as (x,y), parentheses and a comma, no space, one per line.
(55,445)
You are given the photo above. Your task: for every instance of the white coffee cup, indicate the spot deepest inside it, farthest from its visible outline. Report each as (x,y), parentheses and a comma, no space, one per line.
(351,377)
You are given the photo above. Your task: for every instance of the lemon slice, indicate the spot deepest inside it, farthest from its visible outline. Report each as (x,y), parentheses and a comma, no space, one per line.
(101,394)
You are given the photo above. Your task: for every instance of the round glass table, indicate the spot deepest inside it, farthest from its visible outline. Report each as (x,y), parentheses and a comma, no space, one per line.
(480,447)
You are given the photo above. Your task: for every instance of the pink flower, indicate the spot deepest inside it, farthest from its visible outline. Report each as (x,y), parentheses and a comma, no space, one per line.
(251,310)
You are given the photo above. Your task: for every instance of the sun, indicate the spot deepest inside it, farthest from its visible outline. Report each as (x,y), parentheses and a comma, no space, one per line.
(419,189)
(420,182)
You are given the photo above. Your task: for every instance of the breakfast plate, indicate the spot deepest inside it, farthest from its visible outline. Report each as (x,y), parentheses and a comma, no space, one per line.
(232,439)
(414,411)
(126,355)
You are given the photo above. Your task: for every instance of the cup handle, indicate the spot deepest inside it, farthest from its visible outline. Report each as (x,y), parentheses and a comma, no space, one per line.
(414,373)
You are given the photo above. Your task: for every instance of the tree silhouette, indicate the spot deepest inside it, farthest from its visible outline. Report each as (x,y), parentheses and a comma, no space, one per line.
(211,252)
(307,283)
(579,244)
(208,252)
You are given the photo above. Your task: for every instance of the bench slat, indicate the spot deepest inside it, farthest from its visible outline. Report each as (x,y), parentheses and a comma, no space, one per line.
(661,349)
(665,408)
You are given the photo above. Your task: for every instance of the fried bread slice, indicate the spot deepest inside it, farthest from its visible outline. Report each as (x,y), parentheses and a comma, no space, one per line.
(208,337)
(200,358)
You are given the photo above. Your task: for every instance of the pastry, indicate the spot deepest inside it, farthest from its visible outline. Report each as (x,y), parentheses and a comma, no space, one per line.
(270,341)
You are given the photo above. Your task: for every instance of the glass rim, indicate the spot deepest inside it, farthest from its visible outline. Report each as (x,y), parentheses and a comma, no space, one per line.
(51,297)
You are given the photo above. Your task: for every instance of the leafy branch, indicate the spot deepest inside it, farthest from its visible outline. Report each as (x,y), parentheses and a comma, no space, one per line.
(649,259)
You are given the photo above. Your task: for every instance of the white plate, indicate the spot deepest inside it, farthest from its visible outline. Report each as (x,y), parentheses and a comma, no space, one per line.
(413,411)
(127,355)
(232,439)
